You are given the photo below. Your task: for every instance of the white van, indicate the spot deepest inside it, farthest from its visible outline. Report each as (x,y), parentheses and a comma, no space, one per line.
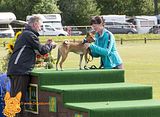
(49,30)
(114,18)
(6,29)
(52,24)
(143,23)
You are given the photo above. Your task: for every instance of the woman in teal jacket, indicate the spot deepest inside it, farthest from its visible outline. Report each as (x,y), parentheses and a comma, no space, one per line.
(104,46)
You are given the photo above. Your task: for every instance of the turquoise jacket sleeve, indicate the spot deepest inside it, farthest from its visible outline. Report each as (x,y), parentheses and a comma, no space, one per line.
(104,45)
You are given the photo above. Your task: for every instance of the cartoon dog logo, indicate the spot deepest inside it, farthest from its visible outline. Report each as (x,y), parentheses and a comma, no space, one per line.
(12,104)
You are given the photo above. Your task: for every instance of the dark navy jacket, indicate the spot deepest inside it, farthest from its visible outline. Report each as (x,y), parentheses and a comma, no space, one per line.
(26,46)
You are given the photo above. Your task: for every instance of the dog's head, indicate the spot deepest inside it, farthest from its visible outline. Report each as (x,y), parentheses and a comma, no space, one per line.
(12,104)
(90,37)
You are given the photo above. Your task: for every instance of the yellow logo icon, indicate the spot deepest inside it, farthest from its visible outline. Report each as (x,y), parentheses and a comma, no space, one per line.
(12,104)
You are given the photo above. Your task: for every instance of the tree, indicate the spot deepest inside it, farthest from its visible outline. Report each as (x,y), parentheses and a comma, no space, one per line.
(156,7)
(22,8)
(2,5)
(46,6)
(127,7)
(112,6)
(140,7)
(78,12)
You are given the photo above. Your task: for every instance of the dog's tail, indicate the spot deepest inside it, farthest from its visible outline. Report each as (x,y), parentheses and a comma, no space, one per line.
(66,42)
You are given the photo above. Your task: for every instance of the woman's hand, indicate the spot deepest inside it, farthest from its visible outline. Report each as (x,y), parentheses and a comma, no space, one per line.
(86,45)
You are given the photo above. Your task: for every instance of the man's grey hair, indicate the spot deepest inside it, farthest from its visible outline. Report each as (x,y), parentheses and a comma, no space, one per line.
(34,19)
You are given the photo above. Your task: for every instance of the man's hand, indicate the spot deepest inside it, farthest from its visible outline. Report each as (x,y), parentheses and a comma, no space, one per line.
(54,44)
(49,41)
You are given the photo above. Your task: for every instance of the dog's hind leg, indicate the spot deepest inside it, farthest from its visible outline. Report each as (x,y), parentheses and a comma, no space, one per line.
(58,58)
(64,56)
(80,62)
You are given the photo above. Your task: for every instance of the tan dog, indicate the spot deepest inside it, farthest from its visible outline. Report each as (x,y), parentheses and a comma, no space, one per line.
(76,47)
(12,104)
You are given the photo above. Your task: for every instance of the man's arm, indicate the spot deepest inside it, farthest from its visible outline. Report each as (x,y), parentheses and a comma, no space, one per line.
(33,40)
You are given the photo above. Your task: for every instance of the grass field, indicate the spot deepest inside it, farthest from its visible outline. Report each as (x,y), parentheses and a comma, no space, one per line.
(141,62)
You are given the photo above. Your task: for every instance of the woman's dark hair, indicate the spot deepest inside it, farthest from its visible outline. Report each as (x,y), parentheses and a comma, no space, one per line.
(97,20)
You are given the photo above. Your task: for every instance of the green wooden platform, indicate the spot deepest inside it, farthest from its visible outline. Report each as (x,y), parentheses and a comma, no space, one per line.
(101,92)
(93,93)
(134,108)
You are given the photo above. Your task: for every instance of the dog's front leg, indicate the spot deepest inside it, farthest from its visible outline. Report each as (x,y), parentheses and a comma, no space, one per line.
(80,62)
(86,62)
(58,57)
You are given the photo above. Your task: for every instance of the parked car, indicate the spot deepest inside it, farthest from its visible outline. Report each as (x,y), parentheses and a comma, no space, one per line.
(48,30)
(6,30)
(155,29)
(75,31)
(120,28)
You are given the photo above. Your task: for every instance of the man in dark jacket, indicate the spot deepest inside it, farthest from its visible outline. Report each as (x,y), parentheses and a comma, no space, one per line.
(23,59)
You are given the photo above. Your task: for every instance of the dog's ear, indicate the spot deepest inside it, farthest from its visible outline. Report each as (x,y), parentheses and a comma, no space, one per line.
(88,34)
(19,95)
(7,96)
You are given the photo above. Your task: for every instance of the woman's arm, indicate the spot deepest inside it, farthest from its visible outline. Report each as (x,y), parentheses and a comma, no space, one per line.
(106,49)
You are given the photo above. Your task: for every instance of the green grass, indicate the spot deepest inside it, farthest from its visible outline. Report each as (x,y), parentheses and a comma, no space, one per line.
(141,62)
(136,36)
(117,37)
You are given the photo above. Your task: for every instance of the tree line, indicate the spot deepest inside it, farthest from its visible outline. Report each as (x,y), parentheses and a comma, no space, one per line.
(78,12)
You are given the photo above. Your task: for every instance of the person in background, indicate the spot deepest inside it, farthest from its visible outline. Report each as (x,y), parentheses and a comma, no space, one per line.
(23,58)
(104,46)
